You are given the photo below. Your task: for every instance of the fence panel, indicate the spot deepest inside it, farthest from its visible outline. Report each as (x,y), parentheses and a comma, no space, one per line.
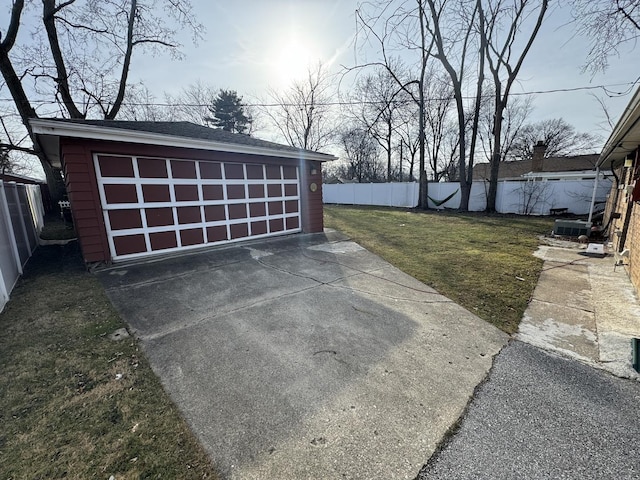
(399,194)
(524,198)
(21,220)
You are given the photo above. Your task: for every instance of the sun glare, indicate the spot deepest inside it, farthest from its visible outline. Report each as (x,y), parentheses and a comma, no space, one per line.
(292,61)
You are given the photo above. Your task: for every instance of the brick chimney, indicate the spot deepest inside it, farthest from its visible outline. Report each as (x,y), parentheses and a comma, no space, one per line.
(537,162)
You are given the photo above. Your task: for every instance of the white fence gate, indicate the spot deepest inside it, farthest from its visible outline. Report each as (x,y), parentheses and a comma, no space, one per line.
(525,198)
(21,221)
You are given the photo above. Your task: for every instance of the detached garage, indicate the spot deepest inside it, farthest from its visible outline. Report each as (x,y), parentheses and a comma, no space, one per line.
(139,189)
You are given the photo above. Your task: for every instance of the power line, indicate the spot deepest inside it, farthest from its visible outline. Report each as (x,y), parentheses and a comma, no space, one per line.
(605,88)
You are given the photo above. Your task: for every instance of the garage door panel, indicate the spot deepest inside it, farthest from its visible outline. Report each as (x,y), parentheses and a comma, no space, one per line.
(163,240)
(116,166)
(210,170)
(233,171)
(152,193)
(155,205)
(152,168)
(120,193)
(183,169)
(125,219)
(129,244)
(186,193)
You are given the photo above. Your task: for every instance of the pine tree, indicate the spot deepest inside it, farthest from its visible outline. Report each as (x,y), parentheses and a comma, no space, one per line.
(228,112)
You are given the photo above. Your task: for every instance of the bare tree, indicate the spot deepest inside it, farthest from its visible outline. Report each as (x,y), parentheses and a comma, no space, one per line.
(501,23)
(458,48)
(141,105)
(608,25)
(81,53)
(361,155)
(377,105)
(439,108)
(192,103)
(560,137)
(302,113)
(409,147)
(405,28)
(514,125)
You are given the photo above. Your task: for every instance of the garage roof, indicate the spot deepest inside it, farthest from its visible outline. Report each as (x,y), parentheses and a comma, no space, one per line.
(173,134)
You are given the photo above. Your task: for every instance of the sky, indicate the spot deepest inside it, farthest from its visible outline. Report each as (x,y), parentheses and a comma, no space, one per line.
(253,45)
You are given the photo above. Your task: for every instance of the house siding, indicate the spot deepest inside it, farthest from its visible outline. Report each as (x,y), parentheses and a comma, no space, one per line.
(624,232)
(82,186)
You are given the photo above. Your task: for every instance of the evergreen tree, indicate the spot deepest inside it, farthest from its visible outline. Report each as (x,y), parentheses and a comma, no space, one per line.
(228,113)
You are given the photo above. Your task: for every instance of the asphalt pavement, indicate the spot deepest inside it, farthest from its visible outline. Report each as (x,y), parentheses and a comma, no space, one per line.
(542,416)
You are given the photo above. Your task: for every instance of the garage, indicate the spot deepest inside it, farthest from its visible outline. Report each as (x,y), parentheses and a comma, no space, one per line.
(139,189)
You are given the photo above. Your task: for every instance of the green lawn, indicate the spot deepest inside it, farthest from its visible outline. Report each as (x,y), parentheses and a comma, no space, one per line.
(73,403)
(481,262)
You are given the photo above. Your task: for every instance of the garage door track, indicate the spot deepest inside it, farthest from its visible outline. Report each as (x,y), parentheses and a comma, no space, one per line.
(305,356)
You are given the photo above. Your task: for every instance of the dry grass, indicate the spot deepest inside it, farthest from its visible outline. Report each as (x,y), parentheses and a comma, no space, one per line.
(64,412)
(481,262)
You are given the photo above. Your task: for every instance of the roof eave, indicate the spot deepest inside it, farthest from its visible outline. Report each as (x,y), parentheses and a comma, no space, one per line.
(627,130)
(51,128)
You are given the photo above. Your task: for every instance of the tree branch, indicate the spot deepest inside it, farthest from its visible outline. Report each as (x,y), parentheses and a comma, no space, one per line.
(125,64)
(14,24)
(62,80)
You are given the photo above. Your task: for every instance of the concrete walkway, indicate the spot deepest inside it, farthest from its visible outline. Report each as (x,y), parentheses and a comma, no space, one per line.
(305,356)
(583,309)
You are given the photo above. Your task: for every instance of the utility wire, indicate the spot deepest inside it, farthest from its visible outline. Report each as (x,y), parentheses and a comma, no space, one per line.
(606,88)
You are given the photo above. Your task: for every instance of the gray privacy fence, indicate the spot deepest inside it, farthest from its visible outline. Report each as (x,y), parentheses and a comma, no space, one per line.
(524,198)
(21,221)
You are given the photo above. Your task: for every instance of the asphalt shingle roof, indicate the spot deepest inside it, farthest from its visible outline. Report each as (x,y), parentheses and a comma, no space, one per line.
(187,130)
(552,164)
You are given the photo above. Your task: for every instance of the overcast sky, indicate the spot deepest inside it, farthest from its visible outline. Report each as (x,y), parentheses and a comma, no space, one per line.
(251,45)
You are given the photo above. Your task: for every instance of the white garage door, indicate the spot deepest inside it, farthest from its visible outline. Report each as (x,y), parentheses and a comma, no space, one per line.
(158,205)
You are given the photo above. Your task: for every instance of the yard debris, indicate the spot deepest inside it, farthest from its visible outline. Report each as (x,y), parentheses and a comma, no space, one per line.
(118,376)
(119,334)
(520,278)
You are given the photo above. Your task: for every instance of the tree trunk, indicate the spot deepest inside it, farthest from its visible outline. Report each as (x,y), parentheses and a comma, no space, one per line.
(496,157)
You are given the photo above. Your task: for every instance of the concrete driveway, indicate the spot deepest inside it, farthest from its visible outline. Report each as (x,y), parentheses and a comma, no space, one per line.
(305,356)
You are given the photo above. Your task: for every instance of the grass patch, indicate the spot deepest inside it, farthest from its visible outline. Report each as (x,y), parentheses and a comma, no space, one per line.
(482,262)
(56,229)
(63,411)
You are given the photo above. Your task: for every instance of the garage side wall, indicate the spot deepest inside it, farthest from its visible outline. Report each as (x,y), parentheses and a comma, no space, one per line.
(311,197)
(80,179)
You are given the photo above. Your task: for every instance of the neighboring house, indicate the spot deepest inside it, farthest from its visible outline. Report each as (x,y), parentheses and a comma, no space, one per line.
(578,167)
(623,205)
(139,189)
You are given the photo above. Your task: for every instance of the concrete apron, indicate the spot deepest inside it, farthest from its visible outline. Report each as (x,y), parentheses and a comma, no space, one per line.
(305,357)
(583,309)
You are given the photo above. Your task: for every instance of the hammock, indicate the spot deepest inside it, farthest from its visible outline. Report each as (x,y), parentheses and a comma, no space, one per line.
(441,202)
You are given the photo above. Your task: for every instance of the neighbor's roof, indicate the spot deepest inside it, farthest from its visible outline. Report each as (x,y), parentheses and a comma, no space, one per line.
(175,134)
(625,137)
(518,168)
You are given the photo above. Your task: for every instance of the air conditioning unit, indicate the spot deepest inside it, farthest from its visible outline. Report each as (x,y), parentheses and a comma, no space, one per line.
(572,228)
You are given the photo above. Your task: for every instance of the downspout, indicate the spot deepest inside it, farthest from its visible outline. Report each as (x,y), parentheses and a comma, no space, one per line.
(593,195)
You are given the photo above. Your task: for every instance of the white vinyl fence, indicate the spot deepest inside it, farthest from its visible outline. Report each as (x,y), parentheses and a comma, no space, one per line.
(21,221)
(525,198)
